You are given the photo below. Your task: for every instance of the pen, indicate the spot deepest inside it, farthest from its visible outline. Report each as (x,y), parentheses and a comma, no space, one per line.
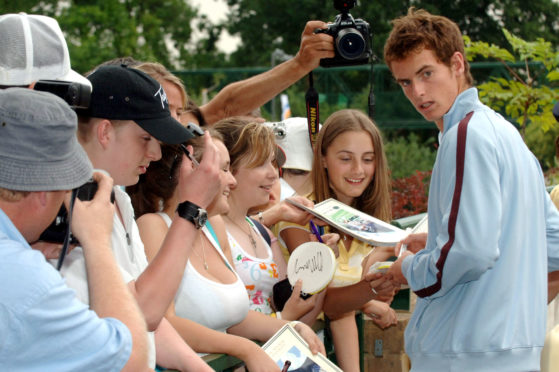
(314,230)
(189,155)
(286,366)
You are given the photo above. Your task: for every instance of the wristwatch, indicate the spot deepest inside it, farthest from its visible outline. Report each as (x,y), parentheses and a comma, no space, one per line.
(193,213)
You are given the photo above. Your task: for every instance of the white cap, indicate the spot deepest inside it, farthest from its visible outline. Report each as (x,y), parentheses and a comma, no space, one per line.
(292,135)
(34,49)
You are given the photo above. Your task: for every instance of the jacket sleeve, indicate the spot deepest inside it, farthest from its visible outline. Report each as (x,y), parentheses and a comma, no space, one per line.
(552,234)
(459,249)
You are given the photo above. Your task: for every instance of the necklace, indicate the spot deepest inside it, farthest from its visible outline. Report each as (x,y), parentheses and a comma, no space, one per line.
(203,251)
(250,237)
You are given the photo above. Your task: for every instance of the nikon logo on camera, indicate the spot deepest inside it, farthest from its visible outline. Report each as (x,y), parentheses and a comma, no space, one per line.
(352,41)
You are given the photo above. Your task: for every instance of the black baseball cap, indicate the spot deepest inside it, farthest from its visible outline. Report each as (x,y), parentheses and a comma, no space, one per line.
(123,93)
(556,111)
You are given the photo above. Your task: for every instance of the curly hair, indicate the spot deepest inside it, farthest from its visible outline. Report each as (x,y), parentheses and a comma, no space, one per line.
(420,30)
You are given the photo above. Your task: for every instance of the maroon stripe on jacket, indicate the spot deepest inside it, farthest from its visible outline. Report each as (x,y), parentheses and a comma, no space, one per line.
(460,156)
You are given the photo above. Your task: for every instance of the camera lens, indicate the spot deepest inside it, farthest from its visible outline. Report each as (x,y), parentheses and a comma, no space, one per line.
(350,43)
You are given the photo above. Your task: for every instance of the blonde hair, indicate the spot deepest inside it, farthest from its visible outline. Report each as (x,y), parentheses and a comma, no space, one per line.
(161,74)
(246,141)
(375,199)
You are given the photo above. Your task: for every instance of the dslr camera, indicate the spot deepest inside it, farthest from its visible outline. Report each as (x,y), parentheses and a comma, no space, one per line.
(76,95)
(352,41)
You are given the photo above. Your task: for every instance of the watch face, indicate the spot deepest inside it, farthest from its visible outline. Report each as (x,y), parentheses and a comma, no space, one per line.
(202,217)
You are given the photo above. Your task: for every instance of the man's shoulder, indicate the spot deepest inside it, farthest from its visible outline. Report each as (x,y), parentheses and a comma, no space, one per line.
(25,276)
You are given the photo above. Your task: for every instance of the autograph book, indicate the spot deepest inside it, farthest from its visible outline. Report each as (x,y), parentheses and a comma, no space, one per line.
(355,223)
(288,345)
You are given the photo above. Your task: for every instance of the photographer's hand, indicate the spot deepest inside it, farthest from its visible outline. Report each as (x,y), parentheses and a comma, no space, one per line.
(93,220)
(92,224)
(314,46)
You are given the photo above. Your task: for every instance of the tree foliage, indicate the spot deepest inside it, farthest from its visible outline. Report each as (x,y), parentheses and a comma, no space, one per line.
(527,96)
(98,30)
(264,25)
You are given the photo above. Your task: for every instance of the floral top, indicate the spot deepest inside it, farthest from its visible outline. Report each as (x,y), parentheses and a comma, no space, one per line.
(258,274)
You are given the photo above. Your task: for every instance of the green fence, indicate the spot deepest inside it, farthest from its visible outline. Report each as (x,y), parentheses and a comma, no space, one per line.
(338,87)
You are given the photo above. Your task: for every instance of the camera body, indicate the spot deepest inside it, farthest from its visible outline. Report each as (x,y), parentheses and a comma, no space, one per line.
(76,95)
(352,38)
(56,232)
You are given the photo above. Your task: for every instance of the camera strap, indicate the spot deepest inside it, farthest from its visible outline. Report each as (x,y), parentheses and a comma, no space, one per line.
(311,98)
(67,235)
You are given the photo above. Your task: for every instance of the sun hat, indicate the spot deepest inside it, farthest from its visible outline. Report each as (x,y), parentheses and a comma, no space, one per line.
(123,93)
(39,150)
(33,48)
(292,135)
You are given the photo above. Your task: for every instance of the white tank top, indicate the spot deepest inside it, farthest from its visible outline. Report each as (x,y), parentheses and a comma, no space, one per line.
(214,305)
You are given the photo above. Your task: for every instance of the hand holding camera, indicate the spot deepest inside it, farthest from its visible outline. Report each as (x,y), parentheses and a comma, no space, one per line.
(92,218)
(352,38)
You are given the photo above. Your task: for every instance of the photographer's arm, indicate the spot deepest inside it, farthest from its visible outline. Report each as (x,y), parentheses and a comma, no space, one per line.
(242,97)
(108,295)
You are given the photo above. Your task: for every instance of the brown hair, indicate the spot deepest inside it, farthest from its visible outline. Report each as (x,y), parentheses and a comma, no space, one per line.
(192,108)
(246,141)
(157,185)
(420,30)
(375,199)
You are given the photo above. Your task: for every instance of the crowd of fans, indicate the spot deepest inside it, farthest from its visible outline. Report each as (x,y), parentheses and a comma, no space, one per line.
(179,251)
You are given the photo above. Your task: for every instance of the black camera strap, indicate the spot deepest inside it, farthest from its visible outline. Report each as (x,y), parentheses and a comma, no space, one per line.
(68,233)
(311,98)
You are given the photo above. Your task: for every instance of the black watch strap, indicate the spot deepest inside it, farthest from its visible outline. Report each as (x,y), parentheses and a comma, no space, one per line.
(193,213)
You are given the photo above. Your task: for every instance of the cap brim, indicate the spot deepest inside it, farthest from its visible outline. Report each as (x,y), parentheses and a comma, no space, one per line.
(166,130)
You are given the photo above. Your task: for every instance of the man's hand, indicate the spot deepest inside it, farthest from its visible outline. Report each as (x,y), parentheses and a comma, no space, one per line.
(314,47)
(414,243)
(201,184)
(395,272)
(92,220)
